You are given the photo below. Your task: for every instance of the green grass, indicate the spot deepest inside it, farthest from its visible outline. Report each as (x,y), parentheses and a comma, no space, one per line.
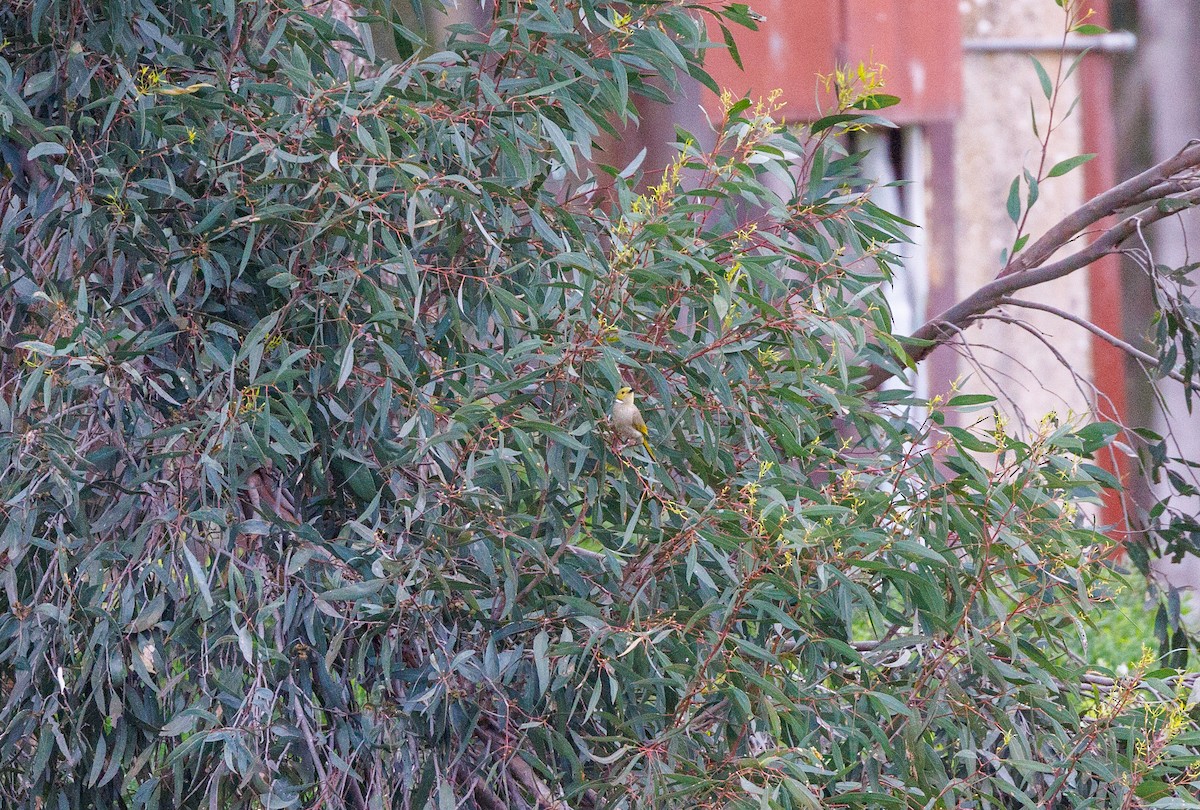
(1123,624)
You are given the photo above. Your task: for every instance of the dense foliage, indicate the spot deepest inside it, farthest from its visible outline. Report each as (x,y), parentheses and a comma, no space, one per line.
(309,494)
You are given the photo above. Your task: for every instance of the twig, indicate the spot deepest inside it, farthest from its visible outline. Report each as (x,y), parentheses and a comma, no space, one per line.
(1044,339)
(1128,348)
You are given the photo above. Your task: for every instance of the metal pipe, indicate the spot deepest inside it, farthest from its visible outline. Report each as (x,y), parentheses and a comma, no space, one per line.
(1112,42)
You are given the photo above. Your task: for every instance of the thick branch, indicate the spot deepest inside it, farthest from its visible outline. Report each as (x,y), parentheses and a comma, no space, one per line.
(486,797)
(1104,683)
(1118,197)
(1029,268)
(1176,185)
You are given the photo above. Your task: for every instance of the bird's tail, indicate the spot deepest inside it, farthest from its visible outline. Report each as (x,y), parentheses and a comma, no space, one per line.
(646,444)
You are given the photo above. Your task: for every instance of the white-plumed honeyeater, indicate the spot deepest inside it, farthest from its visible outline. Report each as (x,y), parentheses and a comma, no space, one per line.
(628,421)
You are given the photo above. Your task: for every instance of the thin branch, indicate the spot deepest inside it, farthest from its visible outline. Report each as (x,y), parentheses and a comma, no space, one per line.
(523,772)
(1086,390)
(1168,188)
(1104,683)
(1128,348)
(1044,339)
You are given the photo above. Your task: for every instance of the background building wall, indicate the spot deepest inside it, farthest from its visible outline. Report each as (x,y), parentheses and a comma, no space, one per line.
(993,141)
(962,70)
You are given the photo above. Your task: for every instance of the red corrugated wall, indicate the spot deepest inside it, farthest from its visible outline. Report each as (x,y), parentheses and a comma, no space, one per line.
(917,41)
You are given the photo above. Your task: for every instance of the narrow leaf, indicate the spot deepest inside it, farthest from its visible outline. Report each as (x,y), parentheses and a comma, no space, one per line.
(345,366)
(731,46)
(1014,200)
(1067,165)
(1043,77)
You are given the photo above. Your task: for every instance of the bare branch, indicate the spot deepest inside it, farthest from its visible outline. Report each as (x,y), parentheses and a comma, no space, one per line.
(486,797)
(1128,348)
(1177,185)
(1081,385)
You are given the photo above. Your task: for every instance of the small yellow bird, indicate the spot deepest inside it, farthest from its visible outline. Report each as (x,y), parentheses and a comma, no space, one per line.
(628,421)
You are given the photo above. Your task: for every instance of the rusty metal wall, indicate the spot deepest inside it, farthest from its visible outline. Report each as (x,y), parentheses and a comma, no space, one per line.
(917,42)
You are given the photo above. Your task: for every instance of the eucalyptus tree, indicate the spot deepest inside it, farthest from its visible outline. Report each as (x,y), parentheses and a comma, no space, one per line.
(311,497)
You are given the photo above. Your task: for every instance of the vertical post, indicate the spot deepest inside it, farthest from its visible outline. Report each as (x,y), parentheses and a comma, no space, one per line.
(1104,280)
